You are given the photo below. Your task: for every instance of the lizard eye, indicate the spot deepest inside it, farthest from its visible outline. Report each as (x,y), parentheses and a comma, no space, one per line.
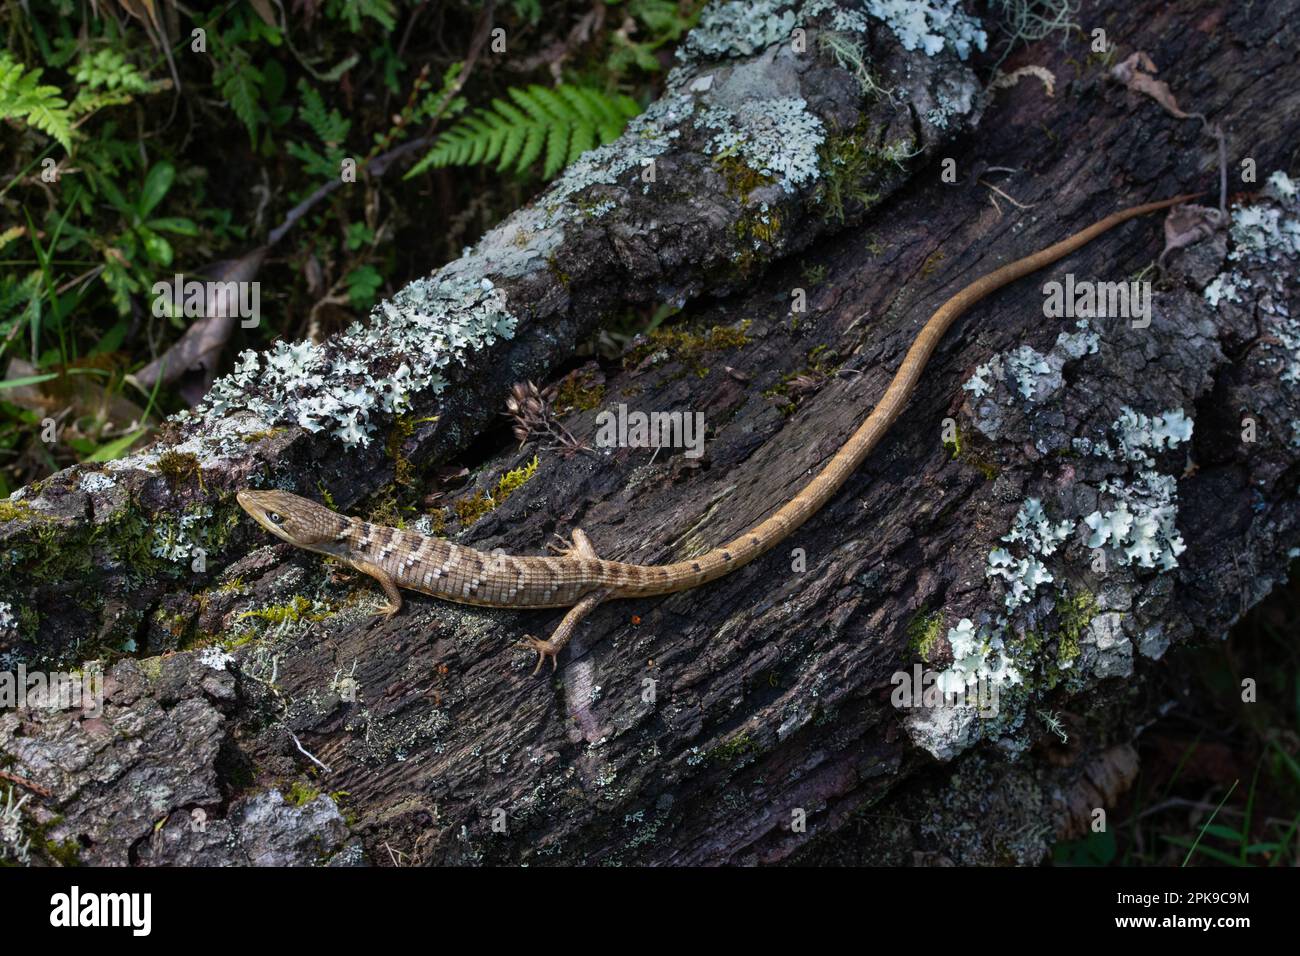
(275,517)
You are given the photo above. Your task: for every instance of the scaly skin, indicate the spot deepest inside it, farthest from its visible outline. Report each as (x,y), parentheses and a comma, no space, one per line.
(578,578)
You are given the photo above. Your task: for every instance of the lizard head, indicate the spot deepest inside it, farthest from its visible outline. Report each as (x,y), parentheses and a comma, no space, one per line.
(297,520)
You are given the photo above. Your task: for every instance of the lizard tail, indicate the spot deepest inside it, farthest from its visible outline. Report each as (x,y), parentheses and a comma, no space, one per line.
(665,579)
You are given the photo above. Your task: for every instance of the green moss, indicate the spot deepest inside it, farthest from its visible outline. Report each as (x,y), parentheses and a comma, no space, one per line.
(60,852)
(959,450)
(820,365)
(180,467)
(438,522)
(1027,644)
(742,745)
(553,266)
(1075,614)
(761,225)
(690,348)
(29,619)
(852,168)
(326,498)
(298,609)
(579,391)
(64,853)
(814,274)
(741,178)
(477,505)
(300,794)
(16,510)
(235,643)
(923,633)
(931,263)
(385,509)
(403,472)
(955,442)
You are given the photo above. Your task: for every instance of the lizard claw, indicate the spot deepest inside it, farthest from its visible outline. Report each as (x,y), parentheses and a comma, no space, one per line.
(544,650)
(576,545)
(560,546)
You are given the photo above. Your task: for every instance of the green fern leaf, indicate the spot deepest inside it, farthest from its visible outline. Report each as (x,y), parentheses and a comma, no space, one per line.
(554,125)
(583,139)
(536,112)
(533,143)
(41,107)
(240,84)
(557,151)
(590,107)
(329,125)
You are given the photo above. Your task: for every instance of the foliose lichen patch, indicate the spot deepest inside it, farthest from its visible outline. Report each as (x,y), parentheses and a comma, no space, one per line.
(371,369)
(741,28)
(1265,257)
(1136,527)
(735,28)
(777,137)
(1027,375)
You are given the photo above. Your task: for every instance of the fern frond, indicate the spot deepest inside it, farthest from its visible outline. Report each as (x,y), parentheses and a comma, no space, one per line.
(109,69)
(330,127)
(41,107)
(554,125)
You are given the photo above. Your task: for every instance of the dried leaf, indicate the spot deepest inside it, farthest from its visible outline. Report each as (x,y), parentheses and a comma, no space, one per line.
(1138,74)
(1044,75)
(195,355)
(1189,223)
(264,10)
(1102,783)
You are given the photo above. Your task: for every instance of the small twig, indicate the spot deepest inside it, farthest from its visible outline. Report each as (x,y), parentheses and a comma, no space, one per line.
(33,787)
(1011,199)
(394,854)
(303,750)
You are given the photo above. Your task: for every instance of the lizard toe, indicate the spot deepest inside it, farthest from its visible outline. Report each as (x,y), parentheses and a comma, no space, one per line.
(544,649)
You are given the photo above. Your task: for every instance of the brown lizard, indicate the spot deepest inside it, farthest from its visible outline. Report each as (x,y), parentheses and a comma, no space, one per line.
(578,578)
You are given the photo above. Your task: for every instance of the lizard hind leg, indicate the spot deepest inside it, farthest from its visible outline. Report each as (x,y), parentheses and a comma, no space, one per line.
(564,631)
(578,545)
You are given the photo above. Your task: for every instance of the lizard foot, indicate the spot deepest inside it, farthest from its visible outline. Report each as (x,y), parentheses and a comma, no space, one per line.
(544,649)
(387,611)
(561,635)
(578,545)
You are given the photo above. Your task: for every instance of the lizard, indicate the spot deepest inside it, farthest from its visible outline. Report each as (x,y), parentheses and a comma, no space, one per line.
(578,578)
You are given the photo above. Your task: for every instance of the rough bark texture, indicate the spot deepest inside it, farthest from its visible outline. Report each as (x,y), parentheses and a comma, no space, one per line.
(696,728)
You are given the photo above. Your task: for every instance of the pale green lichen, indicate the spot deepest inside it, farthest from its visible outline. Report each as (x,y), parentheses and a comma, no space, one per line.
(735,28)
(1039,537)
(1028,373)
(428,326)
(977,655)
(777,137)
(930,25)
(1265,251)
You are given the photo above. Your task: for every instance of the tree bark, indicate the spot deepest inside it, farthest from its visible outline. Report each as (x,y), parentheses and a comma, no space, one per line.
(749,721)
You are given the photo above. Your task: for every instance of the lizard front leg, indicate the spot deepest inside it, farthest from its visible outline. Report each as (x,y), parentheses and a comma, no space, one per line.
(561,635)
(386,582)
